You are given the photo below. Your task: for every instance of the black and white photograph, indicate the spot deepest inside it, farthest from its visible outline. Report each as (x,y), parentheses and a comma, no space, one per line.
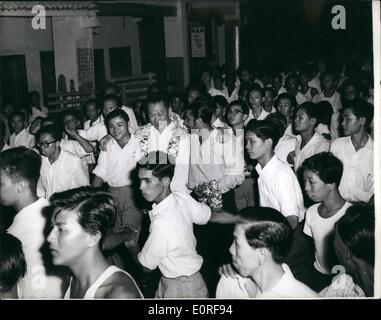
(190,150)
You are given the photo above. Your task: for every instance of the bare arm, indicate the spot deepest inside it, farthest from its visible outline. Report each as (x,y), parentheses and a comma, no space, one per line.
(223,217)
(86,145)
(97,182)
(293,221)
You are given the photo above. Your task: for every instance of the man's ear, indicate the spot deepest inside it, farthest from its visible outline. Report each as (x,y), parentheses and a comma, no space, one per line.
(166,181)
(20,186)
(245,116)
(263,254)
(362,120)
(269,143)
(94,239)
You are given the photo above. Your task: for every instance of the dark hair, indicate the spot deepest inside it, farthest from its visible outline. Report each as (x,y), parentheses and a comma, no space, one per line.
(114,98)
(265,129)
(52,130)
(325,110)
(203,109)
(254,87)
(241,69)
(92,101)
(161,164)
(158,97)
(361,109)
(198,86)
(117,113)
(113,86)
(312,111)
(267,228)
(12,261)
(21,164)
(288,96)
(96,209)
(279,119)
(18,114)
(71,112)
(356,228)
(245,108)
(268,89)
(326,166)
(220,100)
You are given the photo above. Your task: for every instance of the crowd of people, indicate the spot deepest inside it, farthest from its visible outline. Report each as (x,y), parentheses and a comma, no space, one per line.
(243,186)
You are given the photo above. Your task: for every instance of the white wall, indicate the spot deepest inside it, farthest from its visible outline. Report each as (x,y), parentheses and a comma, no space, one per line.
(118,32)
(18,37)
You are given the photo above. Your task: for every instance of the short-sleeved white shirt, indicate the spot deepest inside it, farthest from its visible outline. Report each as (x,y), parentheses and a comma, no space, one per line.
(320,229)
(116,164)
(171,244)
(23,139)
(28,226)
(316,145)
(358,175)
(279,188)
(65,173)
(262,116)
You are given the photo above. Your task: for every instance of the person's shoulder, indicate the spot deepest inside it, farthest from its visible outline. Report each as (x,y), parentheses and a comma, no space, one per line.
(312,210)
(120,285)
(339,142)
(70,156)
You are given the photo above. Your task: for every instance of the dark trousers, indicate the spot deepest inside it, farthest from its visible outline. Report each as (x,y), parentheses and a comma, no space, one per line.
(213,243)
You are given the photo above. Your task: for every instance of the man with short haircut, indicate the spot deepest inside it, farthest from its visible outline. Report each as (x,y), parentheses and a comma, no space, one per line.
(262,240)
(19,169)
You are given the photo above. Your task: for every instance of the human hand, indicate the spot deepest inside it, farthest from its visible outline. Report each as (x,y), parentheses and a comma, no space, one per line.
(227,270)
(71,132)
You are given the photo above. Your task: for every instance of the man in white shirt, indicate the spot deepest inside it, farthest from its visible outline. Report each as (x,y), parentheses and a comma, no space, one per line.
(254,97)
(20,169)
(20,136)
(60,170)
(37,110)
(277,183)
(166,135)
(171,244)
(262,240)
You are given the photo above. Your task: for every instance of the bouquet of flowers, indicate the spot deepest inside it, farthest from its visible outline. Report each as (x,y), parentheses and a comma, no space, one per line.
(210,194)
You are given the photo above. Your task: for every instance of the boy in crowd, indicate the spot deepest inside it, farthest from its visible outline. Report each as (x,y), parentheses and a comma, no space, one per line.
(20,135)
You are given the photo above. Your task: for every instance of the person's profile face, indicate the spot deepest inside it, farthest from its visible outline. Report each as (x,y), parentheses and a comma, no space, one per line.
(302,121)
(8,190)
(315,188)
(255,146)
(351,124)
(71,122)
(245,258)
(235,115)
(151,187)
(68,241)
(158,115)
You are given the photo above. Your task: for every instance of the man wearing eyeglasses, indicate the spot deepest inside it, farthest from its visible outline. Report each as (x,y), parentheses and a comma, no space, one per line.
(60,170)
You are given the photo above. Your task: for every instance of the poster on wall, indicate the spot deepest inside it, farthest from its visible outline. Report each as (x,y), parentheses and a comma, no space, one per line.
(198,42)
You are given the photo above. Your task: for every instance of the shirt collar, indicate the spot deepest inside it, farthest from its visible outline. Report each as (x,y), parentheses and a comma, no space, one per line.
(22,132)
(283,285)
(269,167)
(168,128)
(162,206)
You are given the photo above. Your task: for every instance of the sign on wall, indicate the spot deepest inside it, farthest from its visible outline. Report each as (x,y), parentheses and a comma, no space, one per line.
(198,42)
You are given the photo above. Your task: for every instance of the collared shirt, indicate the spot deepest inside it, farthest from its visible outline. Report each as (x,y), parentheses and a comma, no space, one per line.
(171,244)
(24,138)
(320,229)
(358,175)
(116,164)
(280,189)
(160,142)
(262,116)
(285,145)
(219,124)
(316,145)
(28,226)
(286,287)
(215,160)
(63,174)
